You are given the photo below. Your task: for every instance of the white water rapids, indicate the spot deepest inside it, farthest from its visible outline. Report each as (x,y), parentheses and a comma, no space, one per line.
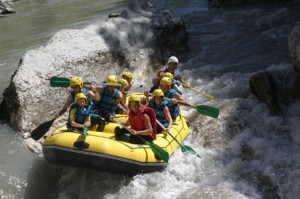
(246,153)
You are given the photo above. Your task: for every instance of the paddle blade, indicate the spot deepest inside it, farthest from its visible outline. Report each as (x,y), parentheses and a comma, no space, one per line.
(185,148)
(41,130)
(207,110)
(159,152)
(59,82)
(85,129)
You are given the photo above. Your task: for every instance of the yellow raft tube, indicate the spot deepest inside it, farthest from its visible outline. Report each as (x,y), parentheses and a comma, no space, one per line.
(100,150)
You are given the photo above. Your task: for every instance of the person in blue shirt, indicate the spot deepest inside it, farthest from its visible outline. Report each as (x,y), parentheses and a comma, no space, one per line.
(79,115)
(172,67)
(110,97)
(172,95)
(160,106)
(78,86)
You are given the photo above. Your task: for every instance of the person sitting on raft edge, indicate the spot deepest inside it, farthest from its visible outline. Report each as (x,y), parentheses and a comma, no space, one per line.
(142,120)
(79,115)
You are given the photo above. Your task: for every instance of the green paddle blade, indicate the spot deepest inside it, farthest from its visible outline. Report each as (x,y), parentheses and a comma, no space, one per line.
(185,148)
(59,82)
(158,152)
(207,110)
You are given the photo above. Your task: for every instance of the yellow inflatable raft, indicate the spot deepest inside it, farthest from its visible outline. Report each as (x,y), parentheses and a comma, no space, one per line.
(100,150)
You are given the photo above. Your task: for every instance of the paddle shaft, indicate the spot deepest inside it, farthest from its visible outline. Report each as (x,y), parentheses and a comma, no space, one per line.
(128,129)
(65,82)
(164,128)
(203,109)
(179,102)
(158,151)
(206,95)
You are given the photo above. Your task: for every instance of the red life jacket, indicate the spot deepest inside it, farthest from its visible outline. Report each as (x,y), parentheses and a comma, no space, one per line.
(137,122)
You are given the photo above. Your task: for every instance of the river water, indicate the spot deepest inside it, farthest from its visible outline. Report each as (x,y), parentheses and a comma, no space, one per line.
(246,153)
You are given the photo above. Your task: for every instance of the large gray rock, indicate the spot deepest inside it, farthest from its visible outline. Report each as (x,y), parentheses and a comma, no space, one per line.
(6,7)
(263,86)
(92,53)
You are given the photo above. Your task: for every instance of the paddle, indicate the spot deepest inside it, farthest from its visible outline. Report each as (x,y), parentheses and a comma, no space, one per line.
(81,144)
(184,148)
(206,95)
(84,128)
(41,130)
(158,151)
(65,82)
(203,109)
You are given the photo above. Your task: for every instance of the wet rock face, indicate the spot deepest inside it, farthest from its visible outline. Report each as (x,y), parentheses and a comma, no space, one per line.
(170,32)
(126,42)
(10,104)
(294,47)
(262,85)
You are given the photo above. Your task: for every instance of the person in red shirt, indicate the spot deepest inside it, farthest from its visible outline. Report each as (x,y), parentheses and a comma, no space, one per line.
(142,121)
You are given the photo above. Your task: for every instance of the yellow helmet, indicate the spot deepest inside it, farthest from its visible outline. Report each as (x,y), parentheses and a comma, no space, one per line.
(170,75)
(158,93)
(128,75)
(112,79)
(134,98)
(166,81)
(76,81)
(80,96)
(123,82)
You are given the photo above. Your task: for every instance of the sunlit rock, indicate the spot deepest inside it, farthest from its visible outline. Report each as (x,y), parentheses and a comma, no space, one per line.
(6,7)
(139,37)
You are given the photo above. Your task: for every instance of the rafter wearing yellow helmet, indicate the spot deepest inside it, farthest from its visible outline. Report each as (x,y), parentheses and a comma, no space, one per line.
(128,77)
(79,115)
(122,108)
(110,97)
(172,94)
(78,86)
(160,106)
(170,67)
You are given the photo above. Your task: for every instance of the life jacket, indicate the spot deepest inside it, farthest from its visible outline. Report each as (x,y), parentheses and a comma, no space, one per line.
(81,114)
(137,123)
(175,86)
(108,102)
(173,108)
(159,111)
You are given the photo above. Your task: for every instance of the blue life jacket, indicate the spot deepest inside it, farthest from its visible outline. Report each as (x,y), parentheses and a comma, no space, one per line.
(173,108)
(159,111)
(81,115)
(108,102)
(175,83)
